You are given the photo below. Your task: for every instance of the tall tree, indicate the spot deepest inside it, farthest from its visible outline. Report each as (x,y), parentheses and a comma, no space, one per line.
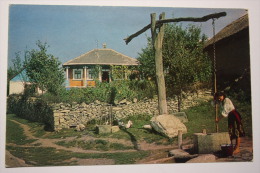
(184,61)
(44,70)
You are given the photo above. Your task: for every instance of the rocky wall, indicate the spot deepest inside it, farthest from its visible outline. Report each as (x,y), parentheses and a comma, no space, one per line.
(70,115)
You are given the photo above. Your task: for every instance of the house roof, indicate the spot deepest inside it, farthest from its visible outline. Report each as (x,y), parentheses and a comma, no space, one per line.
(231,29)
(103,56)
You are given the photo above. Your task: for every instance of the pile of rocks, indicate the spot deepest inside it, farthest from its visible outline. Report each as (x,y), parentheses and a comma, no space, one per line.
(70,115)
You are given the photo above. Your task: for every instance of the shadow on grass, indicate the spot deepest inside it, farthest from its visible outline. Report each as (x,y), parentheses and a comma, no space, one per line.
(133,139)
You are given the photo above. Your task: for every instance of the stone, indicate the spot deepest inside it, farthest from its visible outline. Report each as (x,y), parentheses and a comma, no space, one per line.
(181,155)
(168,125)
(205,158)
(57,114)
(209,143)
(135,100)
(97,102)
(103,129)
(62,120)
(181,116)
(115,129)
(116,108)
(56,121)
(178,152)
(80,127)
(123,101)
(65,111)
(147,127)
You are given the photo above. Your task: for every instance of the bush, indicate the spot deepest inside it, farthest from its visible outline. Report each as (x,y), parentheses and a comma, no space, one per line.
(32,109)
(105,92)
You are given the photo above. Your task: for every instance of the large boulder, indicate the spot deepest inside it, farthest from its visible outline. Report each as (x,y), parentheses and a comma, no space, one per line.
(168,125)
(181,116)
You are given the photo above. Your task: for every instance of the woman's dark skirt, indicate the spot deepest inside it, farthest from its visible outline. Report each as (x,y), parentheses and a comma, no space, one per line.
(235,126)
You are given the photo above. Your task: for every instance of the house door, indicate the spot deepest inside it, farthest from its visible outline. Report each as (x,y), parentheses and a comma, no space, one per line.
(105,76)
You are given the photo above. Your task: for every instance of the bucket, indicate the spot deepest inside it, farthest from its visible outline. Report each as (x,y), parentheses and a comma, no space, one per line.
(227,149)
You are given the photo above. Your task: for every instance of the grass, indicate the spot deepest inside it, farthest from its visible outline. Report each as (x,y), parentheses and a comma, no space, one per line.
(99,144)
(203,116)
(38,129)
(15,134)
(39,156)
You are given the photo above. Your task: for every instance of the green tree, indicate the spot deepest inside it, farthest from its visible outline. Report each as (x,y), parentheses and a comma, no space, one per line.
(147,62)
(44,70)
(184,62)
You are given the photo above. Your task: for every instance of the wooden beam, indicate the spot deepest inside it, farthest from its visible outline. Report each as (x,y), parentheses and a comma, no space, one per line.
(157,39)
(187,19)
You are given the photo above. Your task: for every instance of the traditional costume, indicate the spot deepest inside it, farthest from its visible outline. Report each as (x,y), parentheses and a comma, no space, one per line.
(235,126)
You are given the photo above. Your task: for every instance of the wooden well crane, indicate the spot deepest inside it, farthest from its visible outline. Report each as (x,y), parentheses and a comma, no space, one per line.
(157,40)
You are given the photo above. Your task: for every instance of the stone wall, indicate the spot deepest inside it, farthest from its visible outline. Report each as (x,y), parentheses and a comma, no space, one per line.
(70,115)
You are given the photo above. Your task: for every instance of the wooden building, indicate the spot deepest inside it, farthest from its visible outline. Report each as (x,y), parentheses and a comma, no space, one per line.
(232,54)
(96,64)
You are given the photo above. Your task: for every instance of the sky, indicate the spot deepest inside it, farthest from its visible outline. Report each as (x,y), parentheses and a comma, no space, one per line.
(74,30)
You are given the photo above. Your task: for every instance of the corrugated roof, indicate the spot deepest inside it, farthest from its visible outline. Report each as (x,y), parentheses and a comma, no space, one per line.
(231,29)
(102,57)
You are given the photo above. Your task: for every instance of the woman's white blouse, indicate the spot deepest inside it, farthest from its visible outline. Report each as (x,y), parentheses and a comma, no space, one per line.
(226,107)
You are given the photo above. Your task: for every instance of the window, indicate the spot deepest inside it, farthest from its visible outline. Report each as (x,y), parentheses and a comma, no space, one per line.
(91,74)
(77,73)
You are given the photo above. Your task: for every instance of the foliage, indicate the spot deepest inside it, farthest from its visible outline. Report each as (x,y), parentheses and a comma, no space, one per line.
(17,68)
(183,56)
(183,59)
(105,92)
(147,62)
(44,69)
(31,109)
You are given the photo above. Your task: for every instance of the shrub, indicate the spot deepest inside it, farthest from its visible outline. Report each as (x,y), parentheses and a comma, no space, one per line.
(105,92)
(31,109)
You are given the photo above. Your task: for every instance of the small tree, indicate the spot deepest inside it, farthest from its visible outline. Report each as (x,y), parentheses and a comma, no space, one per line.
(184,59)
(44,70)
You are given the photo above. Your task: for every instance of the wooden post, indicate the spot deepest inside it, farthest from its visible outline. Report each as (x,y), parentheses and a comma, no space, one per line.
(157,39)
(85,76)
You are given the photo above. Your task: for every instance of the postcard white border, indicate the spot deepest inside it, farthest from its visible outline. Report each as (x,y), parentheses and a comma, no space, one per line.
(254,14)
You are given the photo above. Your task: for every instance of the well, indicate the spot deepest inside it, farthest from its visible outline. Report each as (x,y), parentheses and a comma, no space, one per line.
(209,143)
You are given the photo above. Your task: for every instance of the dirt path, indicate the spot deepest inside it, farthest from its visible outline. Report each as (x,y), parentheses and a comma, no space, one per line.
(51,143)
(41,142)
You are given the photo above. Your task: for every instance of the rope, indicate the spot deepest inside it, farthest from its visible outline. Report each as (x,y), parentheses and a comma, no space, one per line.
(215,70)
(214,57)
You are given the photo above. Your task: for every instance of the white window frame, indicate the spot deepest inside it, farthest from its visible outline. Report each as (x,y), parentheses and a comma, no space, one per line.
(89,76)
(81,73)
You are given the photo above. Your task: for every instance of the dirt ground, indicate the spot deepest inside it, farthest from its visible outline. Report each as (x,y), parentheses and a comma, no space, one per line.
(159,153)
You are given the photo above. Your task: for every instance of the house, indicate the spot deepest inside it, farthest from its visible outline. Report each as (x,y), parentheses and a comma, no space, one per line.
(18,87)
(97,64)
(232,54)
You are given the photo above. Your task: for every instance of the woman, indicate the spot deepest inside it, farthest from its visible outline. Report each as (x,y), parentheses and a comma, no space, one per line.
(235,127)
